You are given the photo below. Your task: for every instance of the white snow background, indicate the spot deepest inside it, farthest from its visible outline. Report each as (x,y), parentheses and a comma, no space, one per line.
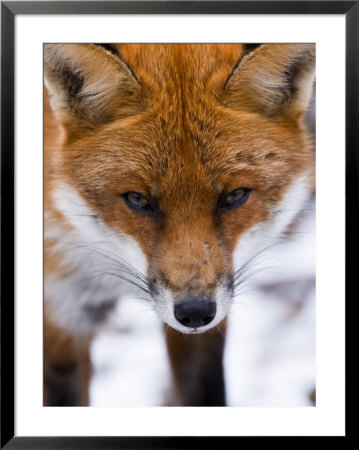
(270,348)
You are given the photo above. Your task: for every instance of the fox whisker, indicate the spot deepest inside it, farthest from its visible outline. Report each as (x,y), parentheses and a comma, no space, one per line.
(134,283)
(121,266)
(116,259)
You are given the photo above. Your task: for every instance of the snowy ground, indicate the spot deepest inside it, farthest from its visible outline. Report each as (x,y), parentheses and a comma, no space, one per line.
(270,349)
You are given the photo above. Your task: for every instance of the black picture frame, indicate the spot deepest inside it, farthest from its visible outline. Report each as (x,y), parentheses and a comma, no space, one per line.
(9,10)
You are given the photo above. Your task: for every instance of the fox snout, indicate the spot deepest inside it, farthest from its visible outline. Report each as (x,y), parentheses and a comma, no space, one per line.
(193,286)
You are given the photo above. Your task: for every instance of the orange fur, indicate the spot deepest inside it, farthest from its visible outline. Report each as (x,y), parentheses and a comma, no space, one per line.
(180,124)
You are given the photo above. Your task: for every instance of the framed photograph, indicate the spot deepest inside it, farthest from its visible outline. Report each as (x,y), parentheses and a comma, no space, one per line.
(177,181)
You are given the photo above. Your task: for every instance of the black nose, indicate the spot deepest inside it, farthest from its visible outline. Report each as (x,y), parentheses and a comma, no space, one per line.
(195,312)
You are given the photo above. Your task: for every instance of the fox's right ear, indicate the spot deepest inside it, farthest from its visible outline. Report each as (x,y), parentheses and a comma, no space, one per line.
(88,84)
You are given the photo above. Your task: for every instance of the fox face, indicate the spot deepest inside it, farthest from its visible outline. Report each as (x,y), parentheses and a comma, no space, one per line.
(178,164)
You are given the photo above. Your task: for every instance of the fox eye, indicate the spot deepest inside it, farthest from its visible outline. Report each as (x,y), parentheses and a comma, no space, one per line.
(136,200)
(234,199)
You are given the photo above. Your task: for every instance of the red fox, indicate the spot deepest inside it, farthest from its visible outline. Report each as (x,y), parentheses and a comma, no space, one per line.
(168,168)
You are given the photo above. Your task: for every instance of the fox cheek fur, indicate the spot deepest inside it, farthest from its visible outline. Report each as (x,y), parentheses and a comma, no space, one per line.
(175,164)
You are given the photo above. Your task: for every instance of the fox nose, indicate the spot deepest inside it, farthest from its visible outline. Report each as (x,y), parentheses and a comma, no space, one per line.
(195,311)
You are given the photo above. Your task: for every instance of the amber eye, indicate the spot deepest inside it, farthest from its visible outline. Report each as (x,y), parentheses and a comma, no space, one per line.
(234,198)
(135,200)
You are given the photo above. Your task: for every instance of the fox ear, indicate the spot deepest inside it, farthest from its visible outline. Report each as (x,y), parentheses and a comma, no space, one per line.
(88,84)
(272,79)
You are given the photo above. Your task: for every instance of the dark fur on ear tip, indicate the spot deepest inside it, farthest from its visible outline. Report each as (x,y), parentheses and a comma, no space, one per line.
(250,47)
(247,48)
(109,47)
(114,50)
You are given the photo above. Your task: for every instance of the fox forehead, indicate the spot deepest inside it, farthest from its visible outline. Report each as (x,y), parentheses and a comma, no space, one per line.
(191,65)
(147,152)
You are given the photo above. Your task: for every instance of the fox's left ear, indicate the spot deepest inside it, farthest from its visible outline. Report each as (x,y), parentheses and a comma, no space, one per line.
(272,79)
